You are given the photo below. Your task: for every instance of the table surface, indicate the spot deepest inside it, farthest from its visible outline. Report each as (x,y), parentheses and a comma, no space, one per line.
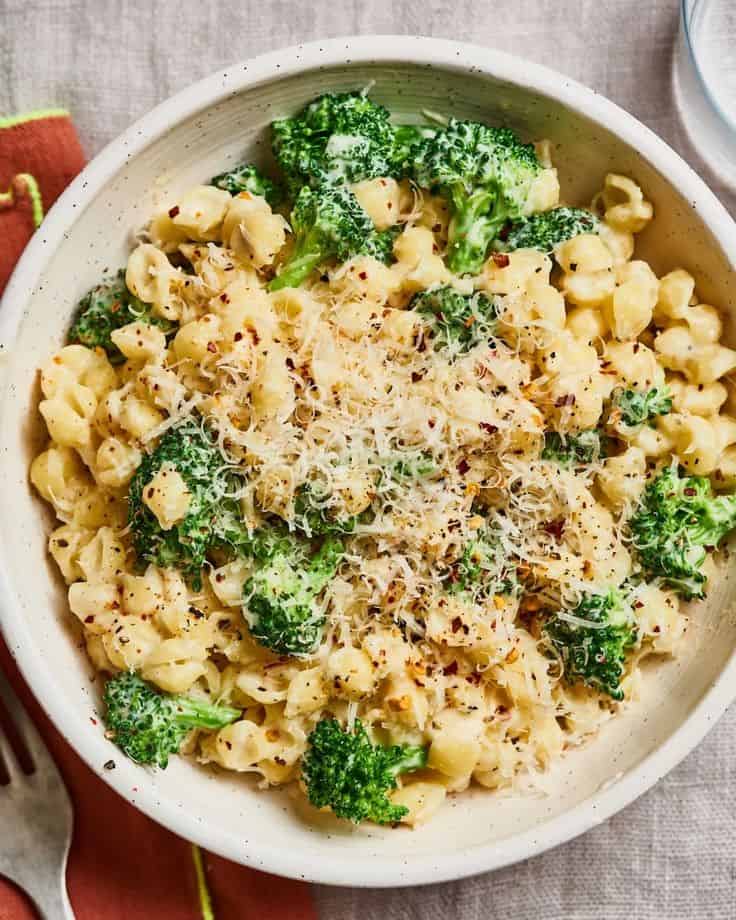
(670,854)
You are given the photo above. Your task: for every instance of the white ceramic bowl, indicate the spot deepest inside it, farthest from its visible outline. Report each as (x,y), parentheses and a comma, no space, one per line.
(191,137)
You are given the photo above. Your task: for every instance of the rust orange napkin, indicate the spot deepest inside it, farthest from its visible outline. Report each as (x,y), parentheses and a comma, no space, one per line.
(122,865)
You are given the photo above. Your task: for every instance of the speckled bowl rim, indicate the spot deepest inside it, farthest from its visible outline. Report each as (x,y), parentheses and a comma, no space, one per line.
(456,57)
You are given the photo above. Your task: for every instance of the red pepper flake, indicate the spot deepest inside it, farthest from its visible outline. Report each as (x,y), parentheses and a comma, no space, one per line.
(416,376)
(487,427)
(115,306)
(363,276)
(555,528)
(93,721)
(431,422)
(212,348)
(638,605)
(456,624)
(567,400)
(90,618)
(500,259)
(463,466)
(505,230)
(450,669)
(224,298)
(173,211)
(238,337)
(690,491)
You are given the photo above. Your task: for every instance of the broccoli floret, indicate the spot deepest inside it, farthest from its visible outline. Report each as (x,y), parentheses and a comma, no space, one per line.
(678,521)
(486,174)
(456,321)
(339,137)
(593,641)
(406,139)
(246,178)
(344,770)
(314,516)
(483,569)
(328,223)
(547,230)
(105,308)
(280,597)
(148,725)
(212,518)
(380,245)
(574,449)
(413,465)
(639,406)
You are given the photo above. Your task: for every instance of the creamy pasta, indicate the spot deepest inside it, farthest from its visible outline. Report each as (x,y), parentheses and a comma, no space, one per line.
(473,480)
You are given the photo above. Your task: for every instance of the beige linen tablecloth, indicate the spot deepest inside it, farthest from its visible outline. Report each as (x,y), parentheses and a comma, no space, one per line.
(672,854)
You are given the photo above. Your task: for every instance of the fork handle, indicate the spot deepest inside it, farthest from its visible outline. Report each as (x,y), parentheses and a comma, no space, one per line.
(53,901)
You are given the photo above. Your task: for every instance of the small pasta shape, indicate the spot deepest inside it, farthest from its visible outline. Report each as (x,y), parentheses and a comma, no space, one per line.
(197,341)
(273,391)
(253,231)
(380,199)
(77,365)
(167,496)
(630,308)
(622,478)
(696,399)
(138,416)
(455,748)
(65,546)
(624,204)
(140,341)
(68,416)
(102,558)
(306,693)
(351,673)
(513,273)
(544,193)
(676,291)
(695,440)
(199,213)
(422,799)
(620,243)
(116,462)
(364,279)
(150,276)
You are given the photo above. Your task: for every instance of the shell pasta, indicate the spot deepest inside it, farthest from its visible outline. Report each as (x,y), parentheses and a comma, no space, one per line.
(343,457)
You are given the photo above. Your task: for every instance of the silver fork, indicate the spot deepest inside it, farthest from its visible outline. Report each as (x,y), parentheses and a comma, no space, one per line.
(36,817)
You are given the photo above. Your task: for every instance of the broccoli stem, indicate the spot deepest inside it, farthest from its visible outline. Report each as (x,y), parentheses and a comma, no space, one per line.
(413,758)
(471,230)
(192,713)
(300,266)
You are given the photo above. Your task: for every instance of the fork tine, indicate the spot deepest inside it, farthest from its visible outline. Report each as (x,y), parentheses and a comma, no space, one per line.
(8,758)
(24,726)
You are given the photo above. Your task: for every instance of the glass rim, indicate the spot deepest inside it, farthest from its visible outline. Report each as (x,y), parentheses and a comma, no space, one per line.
(727,120)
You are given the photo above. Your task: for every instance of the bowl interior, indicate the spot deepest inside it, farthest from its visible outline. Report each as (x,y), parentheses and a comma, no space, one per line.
(226,812)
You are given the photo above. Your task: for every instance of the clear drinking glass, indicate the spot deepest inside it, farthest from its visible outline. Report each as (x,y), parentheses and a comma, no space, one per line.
(705,81)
